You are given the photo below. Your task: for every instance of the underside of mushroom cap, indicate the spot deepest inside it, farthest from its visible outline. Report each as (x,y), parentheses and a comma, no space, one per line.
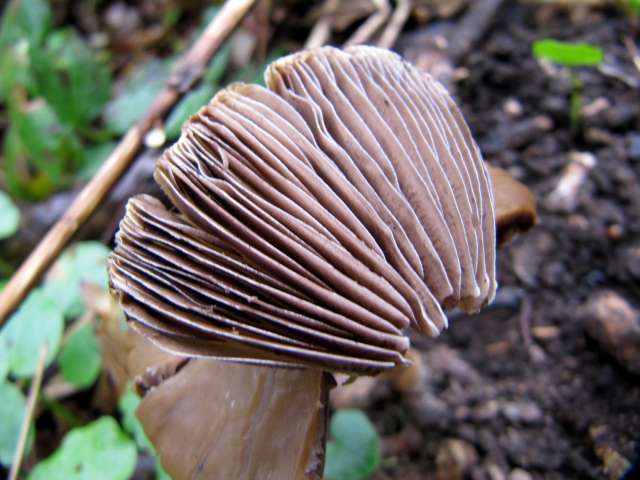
(316,219)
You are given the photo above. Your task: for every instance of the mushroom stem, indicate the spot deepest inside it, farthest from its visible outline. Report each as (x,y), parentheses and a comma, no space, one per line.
(235,421)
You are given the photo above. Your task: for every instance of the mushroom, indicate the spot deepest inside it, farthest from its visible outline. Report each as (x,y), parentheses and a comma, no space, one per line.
(315,220)
(515,205)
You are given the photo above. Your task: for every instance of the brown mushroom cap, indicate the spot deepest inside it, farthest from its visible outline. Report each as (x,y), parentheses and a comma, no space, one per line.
(316,219)
(515,205)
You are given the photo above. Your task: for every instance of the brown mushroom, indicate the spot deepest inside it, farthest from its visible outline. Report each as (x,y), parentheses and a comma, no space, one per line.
(515,205)
(316,219)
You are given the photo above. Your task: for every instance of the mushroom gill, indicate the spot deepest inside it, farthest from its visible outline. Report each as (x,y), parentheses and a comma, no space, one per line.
(314,219)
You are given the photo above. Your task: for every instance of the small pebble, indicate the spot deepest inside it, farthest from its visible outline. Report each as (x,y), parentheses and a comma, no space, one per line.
(614,232)
(537,354)
(564,197)
(487,411)
(454,458)
(545,332)
(595,107)
(598,136)
(122,18)
(155,138)
(524,412)
(519,474)
(512,107)
(495,472)
(615,325)
(517,172)
(579,222)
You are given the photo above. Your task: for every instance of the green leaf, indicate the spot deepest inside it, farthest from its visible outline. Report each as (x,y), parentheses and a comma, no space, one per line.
(353,453)
(14,65)
(188,106)
(128,404)
(218,66)
(97,451)
(37,321)
(171,16)
(80,359)
(24,23)
(38,138)
(634,6)
(84,262)
(25,18)
(10,218)
(15,155)
(5,362)
(72,77)
(137,95)
(568,54)
(12,409)
(41,132)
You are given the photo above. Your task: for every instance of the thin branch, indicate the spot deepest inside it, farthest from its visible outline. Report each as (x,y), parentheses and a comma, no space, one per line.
(319,34)
(187,73)
(633,51)
(28,413)
(396,23)
(321,30)
(364,33)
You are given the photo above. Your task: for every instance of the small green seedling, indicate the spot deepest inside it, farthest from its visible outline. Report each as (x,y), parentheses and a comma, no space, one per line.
(353,453)
(572,56)
(632,7)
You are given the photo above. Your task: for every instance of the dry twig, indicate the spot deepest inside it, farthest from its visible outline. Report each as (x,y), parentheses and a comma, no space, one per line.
(371,25)
(321,31)
(397,21)
(28,413)
(187,73)
(633,51)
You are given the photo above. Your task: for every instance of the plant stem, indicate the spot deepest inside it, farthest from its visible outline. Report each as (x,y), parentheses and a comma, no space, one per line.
(28,413)
(63,414)
(575,101)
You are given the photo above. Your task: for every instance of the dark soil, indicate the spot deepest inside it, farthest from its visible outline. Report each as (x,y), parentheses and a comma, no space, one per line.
(552,403)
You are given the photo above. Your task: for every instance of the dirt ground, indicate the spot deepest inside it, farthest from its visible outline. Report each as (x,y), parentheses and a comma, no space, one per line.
(531,388)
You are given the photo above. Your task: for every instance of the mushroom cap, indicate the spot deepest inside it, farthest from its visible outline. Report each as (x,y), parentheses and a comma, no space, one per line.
(316,219)
(514,203)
